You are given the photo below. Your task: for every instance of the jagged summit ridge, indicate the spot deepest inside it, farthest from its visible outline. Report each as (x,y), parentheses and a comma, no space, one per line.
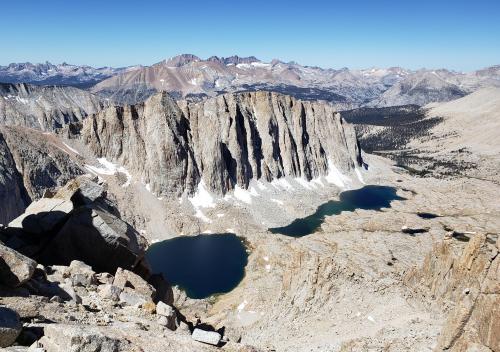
(224,141)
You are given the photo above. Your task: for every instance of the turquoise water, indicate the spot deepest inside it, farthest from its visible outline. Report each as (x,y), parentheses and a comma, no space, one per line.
(201,265)
(368,197)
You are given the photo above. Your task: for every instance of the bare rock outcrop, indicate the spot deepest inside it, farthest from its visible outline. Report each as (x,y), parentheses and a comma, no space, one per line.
(39,160)
(13,196)
(226,141)
(78,223)
(265,135)
(152,138)
(465,279)
(15,268)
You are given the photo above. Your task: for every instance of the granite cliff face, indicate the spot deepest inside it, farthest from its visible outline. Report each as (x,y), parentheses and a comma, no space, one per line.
(30,163)
(264,135)
(225,141)
(45,108)
(40,160)
(12,193)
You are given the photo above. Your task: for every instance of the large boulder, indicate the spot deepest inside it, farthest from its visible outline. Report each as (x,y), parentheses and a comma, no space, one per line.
(10,326)
(167,315)
(126,279)
(43,216)
(210,337)
(15,268)
(81,191)
(65,338)
(99,239)
(81,274)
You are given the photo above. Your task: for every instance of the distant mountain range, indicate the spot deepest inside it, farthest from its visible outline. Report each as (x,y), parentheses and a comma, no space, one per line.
(62,74)
(190,77)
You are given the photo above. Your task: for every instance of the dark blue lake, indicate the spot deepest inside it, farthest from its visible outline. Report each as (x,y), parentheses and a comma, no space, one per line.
(201,265)
(368,197)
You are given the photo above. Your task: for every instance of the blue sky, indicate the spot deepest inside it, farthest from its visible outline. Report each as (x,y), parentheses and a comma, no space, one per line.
(461,35)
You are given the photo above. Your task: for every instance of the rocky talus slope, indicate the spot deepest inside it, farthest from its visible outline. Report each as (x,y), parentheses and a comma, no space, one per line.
(45,107)
(73,277)
(224,141)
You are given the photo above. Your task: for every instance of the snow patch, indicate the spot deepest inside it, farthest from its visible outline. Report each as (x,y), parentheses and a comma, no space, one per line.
(283,183)
(242,194)
(199,214)
(243,66)
(261,186)
(304,183)
(317,181)
(220,215)
(22,100)
(242,305)
(253,191)
(202,197)
(108,168)
(71,149)
(260,64)
(335,176)
(360,176)
(277,201)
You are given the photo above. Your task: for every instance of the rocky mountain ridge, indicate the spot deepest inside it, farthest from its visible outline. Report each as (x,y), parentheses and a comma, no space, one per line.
(63,74)
(224,142)
(45,107)
(188,76)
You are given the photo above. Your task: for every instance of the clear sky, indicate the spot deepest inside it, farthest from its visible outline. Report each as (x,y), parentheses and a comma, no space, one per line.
(461,35)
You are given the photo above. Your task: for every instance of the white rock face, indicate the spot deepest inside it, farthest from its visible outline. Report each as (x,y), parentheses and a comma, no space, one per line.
(210,337)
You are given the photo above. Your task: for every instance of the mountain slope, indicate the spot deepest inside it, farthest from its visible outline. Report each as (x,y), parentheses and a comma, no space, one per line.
(188,76)
(45,108)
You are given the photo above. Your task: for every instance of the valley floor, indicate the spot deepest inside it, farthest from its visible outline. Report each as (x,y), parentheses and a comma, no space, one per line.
(342,288)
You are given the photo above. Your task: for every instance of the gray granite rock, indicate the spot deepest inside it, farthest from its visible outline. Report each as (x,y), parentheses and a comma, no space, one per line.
(10,326)
(210,337)
(15,268)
